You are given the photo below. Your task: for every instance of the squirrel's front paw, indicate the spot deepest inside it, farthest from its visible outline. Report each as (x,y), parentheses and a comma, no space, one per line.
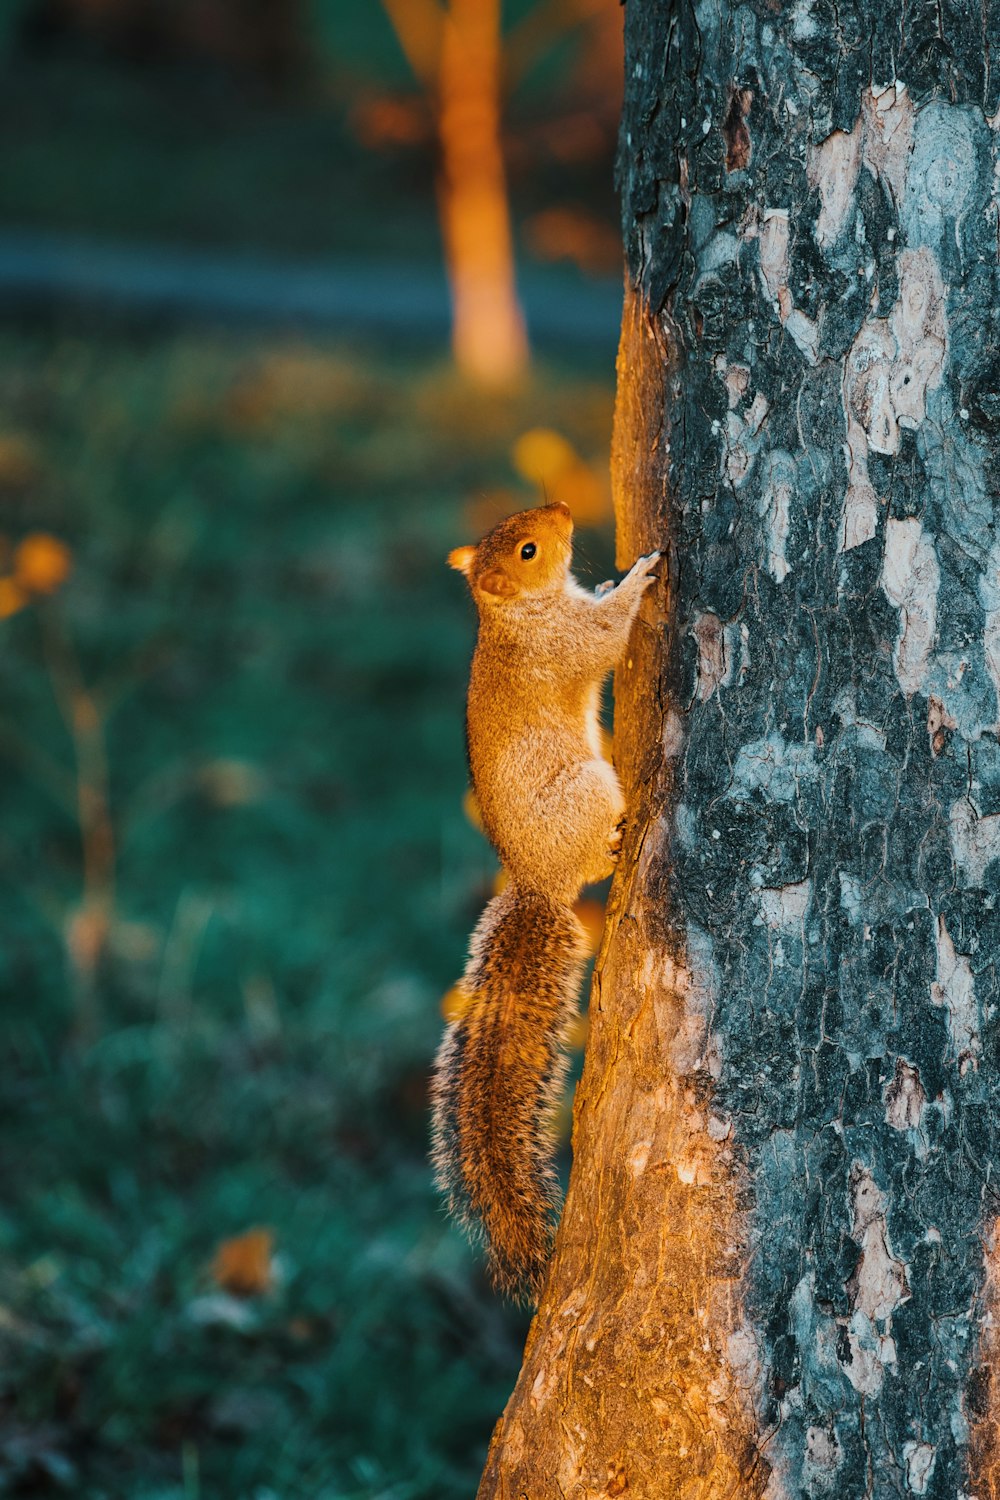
(644,570)
(604,588)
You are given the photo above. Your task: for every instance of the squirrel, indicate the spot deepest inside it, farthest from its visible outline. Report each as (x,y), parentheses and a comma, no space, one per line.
(553,809)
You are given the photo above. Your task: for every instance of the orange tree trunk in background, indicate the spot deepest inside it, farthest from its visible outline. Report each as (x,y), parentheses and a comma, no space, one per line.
(488,327)
(777,1269)
(456,51)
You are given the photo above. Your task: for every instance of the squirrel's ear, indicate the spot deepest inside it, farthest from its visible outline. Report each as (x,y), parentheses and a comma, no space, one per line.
(461,559)
(497,582)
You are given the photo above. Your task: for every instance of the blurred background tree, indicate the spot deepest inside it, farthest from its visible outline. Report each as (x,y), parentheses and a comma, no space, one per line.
(236,877)
(455,51)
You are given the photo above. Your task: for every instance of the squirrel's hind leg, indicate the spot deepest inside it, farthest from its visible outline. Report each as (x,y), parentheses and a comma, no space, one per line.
(578,814)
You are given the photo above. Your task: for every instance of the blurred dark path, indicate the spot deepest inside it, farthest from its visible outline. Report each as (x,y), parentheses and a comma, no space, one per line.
(45,270)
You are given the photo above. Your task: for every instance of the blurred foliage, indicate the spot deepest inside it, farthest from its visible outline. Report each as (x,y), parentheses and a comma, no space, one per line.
(223,1268)
(236,878)
(150,121)
(169,154)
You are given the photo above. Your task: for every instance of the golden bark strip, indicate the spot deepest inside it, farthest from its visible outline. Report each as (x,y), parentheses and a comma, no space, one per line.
(638,1373)
(982,1395)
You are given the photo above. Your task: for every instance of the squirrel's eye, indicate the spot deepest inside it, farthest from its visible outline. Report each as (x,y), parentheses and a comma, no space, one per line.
(528,551)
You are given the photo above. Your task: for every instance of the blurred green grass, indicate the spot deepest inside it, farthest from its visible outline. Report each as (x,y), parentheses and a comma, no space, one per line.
(260,603)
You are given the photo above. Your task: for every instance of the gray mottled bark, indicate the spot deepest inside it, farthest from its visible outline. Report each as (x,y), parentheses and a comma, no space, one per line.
(776,1272)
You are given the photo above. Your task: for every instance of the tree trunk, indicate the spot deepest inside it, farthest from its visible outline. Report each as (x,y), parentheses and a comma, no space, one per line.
(778,1268)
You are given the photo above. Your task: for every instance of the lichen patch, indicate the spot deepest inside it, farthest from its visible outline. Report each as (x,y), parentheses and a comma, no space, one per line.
(774,242)
(775,508)
(859,518)
(911,578)
(774,767)
(894,361)
(878,1285)
(888,371)
(713,668)
(955,989)
(940,723)
(919,1460)
(887,115)
(851,898)
(783,908)
(824,1454)
(905,1098)
(833,169)
(773,251)
(942,172)
(975,841)
(989,594)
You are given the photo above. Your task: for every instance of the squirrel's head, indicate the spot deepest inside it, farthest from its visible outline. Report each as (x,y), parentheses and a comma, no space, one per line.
(529,553)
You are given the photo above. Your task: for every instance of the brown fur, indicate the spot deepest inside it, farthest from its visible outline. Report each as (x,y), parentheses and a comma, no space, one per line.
(498,1081)
(551,805)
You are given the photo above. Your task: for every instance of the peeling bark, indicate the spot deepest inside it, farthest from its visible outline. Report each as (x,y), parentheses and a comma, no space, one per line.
(770,1279)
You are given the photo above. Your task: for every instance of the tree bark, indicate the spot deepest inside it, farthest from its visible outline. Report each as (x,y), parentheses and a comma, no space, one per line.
(777,1270)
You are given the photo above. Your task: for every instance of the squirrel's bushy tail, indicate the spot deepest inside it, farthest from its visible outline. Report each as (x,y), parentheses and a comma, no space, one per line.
(497,1082)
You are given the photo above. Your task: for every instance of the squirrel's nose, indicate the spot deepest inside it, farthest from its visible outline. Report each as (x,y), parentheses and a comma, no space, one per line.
(562,508)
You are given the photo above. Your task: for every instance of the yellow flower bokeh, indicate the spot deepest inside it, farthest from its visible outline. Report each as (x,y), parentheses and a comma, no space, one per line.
(12,597)
(42,563)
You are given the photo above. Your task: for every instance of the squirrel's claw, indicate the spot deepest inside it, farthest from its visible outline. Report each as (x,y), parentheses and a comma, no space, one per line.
(644,569)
